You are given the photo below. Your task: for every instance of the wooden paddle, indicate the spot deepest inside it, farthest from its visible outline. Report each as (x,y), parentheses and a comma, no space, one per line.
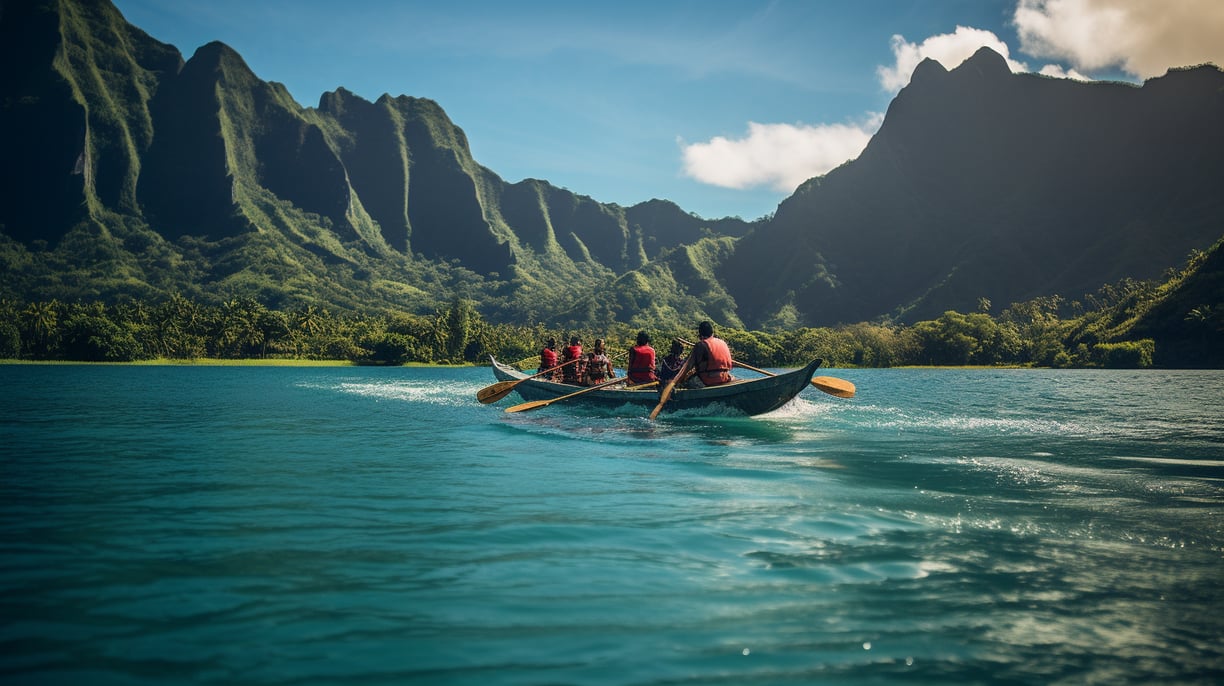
(828,384)
(834,386)
(501,389)
(671,384)
(544,403)
(838,387)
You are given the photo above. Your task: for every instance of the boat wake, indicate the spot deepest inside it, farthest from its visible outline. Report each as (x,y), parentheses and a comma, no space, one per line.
(425,392)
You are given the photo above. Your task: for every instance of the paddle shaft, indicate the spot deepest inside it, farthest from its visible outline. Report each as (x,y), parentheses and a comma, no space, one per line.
(494,392)
(749,367)
(826,384)
(671,385)
(544,403)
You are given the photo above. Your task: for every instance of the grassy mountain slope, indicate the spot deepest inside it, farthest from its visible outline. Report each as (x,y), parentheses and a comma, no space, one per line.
(148,175)
(131,173)
(1183,316)
(677,287)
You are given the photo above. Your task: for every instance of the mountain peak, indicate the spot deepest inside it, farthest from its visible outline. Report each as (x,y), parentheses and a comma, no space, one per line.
(928,70)
(985,62)
(337,102)
(217,58)
(214,51)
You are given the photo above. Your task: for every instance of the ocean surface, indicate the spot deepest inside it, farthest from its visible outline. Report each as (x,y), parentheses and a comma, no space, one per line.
(272,525)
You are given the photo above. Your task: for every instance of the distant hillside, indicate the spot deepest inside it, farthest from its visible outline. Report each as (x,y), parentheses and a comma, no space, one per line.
(199,177)
(987,184)
(1182,316)
(131,173)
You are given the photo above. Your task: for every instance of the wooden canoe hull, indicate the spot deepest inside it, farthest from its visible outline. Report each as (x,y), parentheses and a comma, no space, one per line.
(751,396)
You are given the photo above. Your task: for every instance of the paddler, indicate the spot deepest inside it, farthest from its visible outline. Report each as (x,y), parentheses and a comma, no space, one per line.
(710,359)
(641,365)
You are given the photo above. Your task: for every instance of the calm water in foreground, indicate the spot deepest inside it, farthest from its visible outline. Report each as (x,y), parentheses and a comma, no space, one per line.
(221,525)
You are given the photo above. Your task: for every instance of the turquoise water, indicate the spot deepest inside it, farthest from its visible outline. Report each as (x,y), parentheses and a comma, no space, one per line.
(221,525)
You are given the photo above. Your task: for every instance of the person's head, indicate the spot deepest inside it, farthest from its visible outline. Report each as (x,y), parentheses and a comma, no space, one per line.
(677,348)
(705,329)
(574,340)
(550,343)
(599,346)
(643,338)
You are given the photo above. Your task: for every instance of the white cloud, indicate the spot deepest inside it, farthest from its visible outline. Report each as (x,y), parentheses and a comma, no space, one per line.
(1059,72)
(780,156)
(1143,37)
(949,49)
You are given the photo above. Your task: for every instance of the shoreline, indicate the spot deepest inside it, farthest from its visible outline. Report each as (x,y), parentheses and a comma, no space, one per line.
(288,362)
(195,361)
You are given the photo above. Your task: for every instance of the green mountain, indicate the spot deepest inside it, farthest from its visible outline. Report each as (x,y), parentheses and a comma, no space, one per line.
(148,175)
(986,184)
(131,173)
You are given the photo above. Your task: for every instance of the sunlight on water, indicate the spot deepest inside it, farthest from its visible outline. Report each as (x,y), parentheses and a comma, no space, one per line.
(891,418)
(380,526)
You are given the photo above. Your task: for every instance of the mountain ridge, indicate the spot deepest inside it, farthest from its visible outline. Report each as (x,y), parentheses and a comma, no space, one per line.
(946,206)
(138,174)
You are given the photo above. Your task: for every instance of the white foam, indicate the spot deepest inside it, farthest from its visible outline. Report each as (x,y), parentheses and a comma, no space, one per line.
(425,392)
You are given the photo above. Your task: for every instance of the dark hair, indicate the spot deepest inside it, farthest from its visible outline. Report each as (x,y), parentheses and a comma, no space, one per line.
(705,329)
(551,342)
(643,338)
(677,348)
(574,340)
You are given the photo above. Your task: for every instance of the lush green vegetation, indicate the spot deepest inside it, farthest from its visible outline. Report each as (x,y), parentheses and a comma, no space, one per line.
(1035,333)
(210,215)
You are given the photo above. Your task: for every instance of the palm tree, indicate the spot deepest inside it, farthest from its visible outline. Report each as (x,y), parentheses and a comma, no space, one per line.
(240,331)
(42,321)
(309,320)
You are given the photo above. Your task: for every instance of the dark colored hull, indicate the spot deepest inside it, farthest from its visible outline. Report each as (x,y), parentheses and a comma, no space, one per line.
(753,396)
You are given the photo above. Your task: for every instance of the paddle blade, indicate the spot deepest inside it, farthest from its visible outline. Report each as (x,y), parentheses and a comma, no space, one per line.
(667,389)
(654,414)
(838,387)
(494,392)
(522,407)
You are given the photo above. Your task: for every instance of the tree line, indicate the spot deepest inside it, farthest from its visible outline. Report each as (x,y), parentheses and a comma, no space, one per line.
(1027,334)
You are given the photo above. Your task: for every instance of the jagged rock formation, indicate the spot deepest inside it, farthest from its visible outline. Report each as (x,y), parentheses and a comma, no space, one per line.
(129,172)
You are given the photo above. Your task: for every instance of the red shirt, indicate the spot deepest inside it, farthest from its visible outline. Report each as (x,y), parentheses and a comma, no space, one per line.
(548,359)
(641,367)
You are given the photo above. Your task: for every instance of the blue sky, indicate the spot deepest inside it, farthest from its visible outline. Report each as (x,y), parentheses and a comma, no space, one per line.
(721,107)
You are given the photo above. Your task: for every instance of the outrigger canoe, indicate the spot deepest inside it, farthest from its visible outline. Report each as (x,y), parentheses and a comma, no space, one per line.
(748,396)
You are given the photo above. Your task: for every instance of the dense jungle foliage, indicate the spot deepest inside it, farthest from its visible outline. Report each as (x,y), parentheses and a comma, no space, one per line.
(1046,332)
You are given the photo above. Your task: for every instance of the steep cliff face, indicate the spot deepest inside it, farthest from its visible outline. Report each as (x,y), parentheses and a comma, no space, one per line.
(222,135)
(186,188)
(143,174)
(74,113)
(981,183)
(446,199)
(371,145)
(109,133)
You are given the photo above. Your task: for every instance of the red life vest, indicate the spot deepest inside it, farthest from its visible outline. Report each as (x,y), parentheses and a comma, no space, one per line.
(573,372)
(548,359)
(715,369)
(642,364)
(597,367)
